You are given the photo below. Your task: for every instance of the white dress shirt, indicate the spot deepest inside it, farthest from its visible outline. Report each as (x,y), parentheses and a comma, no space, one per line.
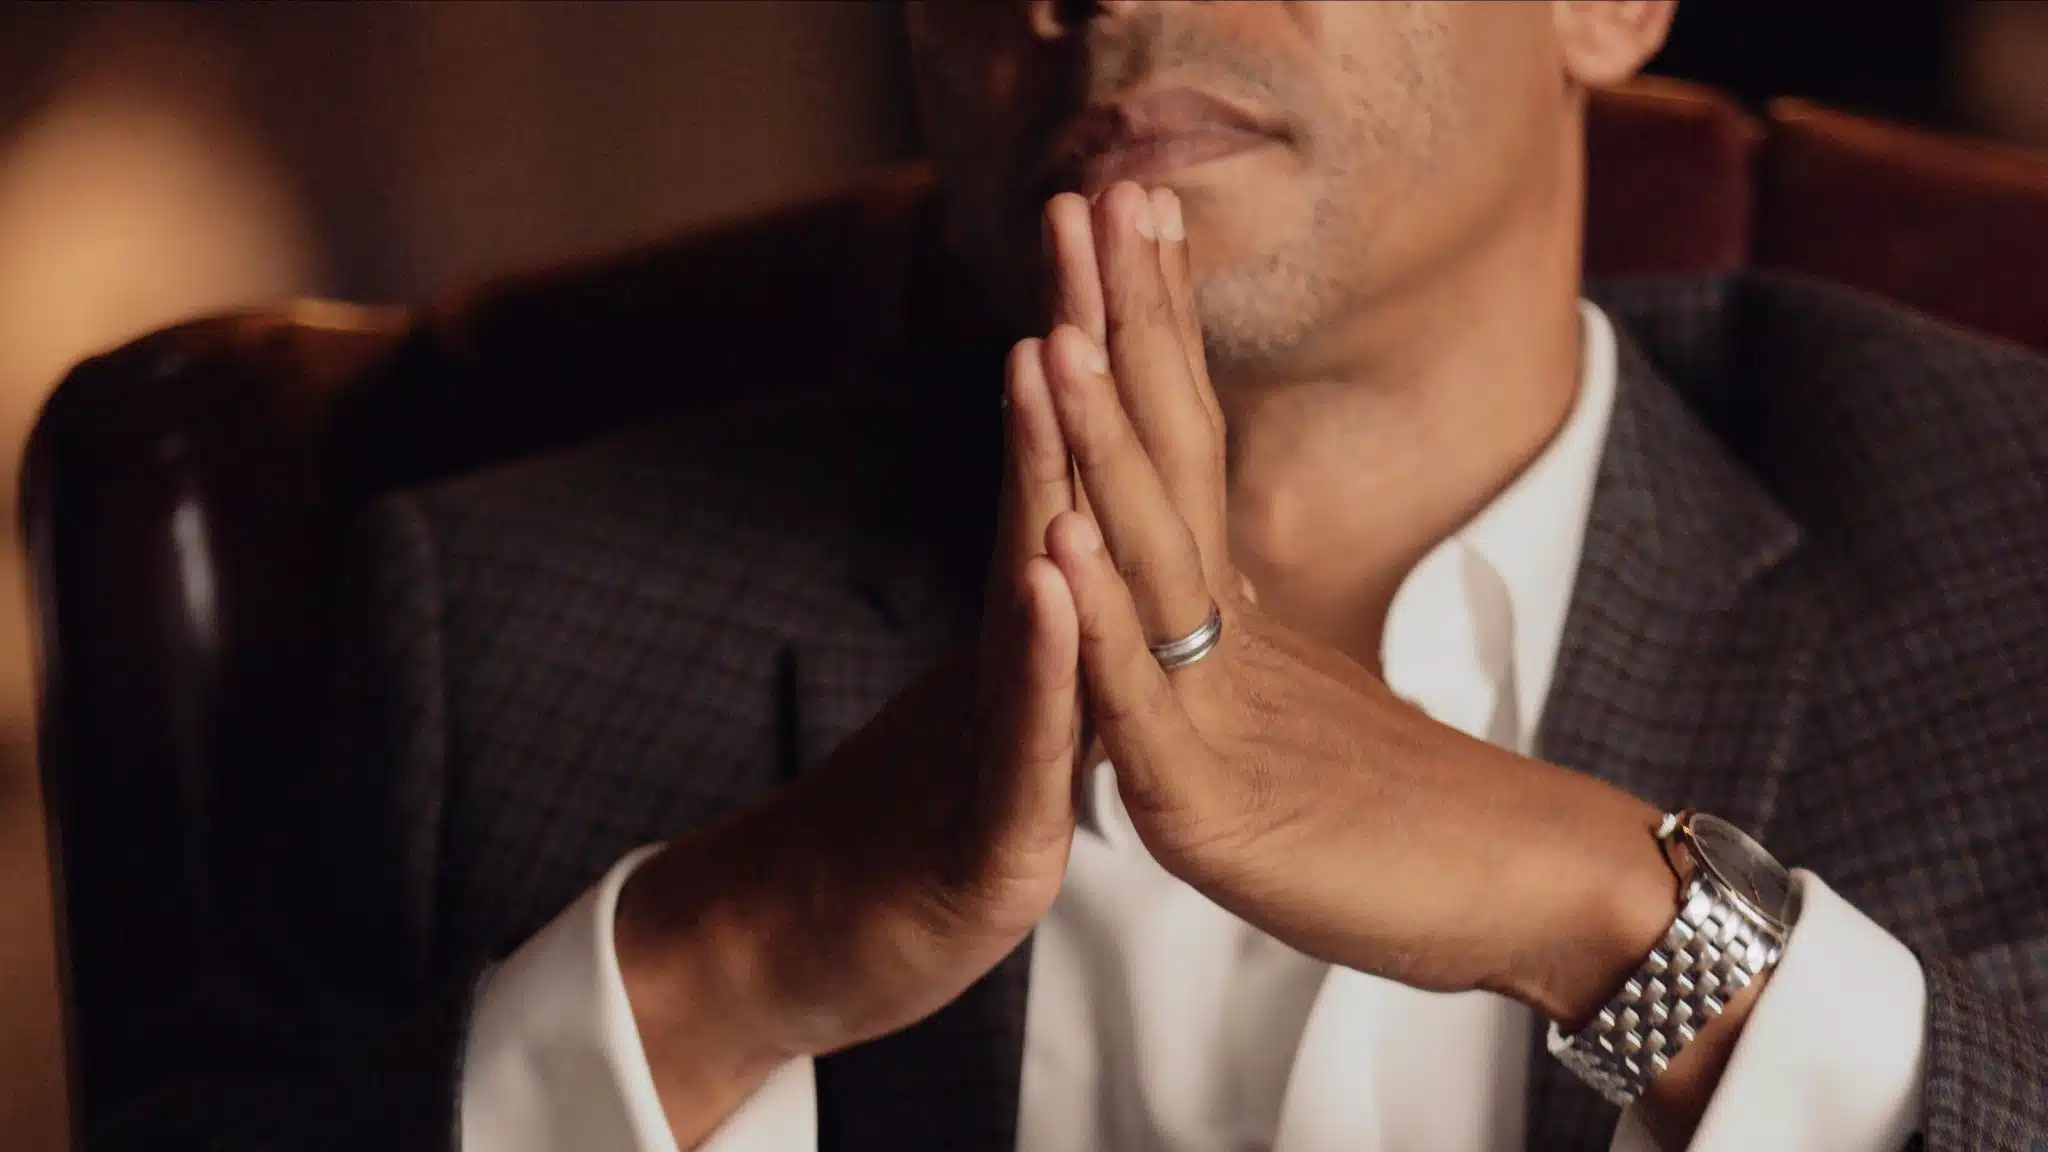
(1157,1020)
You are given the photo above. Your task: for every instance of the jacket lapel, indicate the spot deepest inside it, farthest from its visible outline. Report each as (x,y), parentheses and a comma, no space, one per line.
(1682,672)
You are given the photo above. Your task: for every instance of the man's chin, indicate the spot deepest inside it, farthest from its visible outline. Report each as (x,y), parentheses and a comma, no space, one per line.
(1243,226)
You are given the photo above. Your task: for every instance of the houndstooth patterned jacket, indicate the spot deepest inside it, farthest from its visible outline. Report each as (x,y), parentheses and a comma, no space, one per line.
(1813,599)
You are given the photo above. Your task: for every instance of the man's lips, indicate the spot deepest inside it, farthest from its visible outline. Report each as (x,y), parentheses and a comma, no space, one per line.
(1148,136)
(1150,157)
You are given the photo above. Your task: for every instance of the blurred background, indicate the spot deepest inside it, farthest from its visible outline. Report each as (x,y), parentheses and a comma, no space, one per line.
(160,162)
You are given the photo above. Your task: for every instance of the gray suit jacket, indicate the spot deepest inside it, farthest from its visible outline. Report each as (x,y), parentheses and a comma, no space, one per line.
(1813,599)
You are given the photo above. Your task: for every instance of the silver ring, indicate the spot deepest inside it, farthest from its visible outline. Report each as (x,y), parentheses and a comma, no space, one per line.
(1195,645)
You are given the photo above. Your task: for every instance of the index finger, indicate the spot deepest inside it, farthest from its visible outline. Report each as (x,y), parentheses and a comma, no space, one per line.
(1037,486)
(1075,276)
(1038,474)
(1177,270)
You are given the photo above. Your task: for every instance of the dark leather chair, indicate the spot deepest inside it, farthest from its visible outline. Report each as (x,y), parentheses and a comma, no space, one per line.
(183,496)
(1953,228)
(1669,177)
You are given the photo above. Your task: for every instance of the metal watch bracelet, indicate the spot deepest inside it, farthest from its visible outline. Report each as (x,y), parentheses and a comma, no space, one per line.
(1712,950)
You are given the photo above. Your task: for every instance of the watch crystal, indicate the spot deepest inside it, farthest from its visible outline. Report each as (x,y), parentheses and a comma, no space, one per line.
(1742,864)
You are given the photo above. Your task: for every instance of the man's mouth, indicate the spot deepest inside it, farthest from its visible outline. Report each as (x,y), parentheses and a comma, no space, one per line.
(1150,136)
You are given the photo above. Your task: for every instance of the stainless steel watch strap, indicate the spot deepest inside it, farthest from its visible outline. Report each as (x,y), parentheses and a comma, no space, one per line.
(1712,950)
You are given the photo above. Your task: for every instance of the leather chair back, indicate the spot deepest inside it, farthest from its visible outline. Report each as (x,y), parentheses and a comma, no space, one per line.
(183,497)
(1953,228)
(1669,178)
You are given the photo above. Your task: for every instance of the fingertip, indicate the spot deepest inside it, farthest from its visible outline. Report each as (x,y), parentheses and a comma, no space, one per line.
(1073,263)
(1122,207)
(1166,210)
(1042,583)
(1068,226)
(1048,601)
(1065,204)
(1025,366)
(1073,541)
(1024,353)
(1075,354)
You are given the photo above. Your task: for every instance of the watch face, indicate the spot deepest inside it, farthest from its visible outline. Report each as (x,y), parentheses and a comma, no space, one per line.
(1742,864)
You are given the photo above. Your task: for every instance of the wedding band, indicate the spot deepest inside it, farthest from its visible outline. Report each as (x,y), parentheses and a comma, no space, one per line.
(1192,647)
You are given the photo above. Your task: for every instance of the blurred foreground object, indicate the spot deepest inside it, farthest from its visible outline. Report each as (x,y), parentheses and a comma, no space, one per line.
(2001,68)
(130,197)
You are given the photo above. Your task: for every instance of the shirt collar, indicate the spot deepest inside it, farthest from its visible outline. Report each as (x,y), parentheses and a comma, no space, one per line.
(1531,534)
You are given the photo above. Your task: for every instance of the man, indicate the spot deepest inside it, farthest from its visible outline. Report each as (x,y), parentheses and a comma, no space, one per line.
(1346,724)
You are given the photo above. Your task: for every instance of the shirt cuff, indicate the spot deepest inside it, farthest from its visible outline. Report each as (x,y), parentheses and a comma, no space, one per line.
(1834,1052)
(554,1059)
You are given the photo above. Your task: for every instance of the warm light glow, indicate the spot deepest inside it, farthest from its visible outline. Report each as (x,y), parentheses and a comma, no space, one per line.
(120,214)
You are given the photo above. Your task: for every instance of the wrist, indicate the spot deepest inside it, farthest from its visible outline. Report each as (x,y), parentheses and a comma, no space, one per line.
(690,966)
(1608,896)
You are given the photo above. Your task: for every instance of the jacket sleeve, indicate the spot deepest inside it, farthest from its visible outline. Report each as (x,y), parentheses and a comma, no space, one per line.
(1987,1063)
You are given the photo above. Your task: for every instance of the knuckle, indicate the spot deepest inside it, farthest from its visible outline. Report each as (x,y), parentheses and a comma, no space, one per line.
(1099,431)
(1189,451)
(1166,566)
(1048,747)
(1094,629)
(1139,572)
(1050,485)
(1125,315)
(1187,550)
(1158,310)
(1157,700)
(1148,798)
(1118,711)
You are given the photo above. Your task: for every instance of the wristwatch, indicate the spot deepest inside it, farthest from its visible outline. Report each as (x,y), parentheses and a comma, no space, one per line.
(1736,908)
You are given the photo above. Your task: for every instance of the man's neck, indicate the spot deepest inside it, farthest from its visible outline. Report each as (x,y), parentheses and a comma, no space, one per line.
(1340,482)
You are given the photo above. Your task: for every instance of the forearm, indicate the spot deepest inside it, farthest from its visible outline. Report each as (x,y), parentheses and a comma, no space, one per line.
(685,964)
(616,1032)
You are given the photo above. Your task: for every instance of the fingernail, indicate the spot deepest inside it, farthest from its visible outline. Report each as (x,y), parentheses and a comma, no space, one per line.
(1142,220)
(1097,358)
(1170,224)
